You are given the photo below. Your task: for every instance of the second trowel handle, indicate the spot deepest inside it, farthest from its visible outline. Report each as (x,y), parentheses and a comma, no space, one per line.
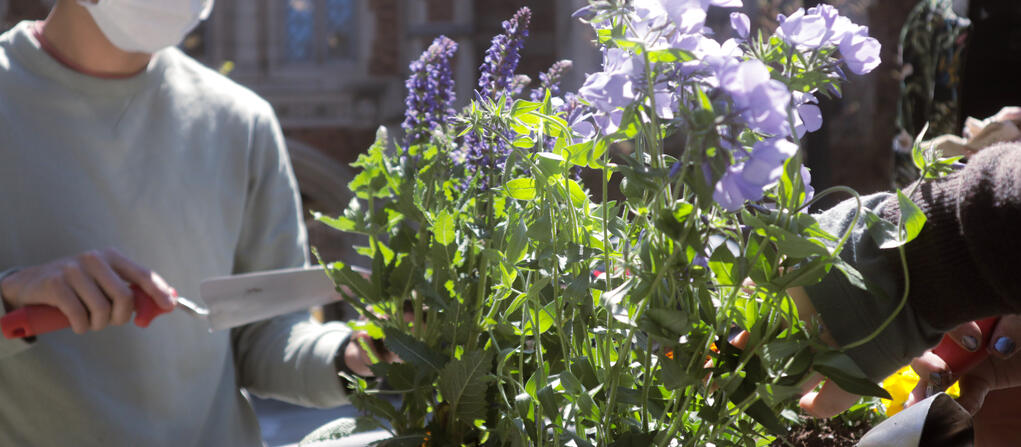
(37,319)
(961,360)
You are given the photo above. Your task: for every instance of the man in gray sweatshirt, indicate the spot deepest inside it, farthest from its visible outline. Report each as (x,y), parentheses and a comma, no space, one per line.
(124,161)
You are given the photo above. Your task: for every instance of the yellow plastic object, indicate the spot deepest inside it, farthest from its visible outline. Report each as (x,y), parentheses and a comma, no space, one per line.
(900,385)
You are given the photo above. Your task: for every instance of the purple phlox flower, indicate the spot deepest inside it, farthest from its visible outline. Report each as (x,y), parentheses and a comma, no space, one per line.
(518,85)
(608,91)
(709,54)
(809,117)
(860,52)
(617,60)
(760,100)
(666,102)
(612,89)
(503,55)
(741,24)
(806,180)
(430,91)
(803,30)
(823,25)
(748,179)
(686,16)
(550,80)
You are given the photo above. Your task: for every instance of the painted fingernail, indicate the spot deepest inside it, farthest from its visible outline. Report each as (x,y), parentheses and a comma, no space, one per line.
(970,343)
(936,379)
(1004,345)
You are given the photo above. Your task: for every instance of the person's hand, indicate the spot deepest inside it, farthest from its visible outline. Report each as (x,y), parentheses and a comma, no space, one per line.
(358,359)
(1001,370)
(91,289)
(830,400)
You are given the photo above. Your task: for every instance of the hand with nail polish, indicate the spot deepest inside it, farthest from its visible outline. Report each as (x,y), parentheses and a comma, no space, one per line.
(990,391)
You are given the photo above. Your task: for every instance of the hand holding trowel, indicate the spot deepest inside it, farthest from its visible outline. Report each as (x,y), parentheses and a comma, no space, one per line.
(229,301)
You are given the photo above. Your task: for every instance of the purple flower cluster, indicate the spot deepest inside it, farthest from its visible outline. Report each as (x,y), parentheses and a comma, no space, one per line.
(747,179)
(484,155)
(760,100)
(503,55)
(823,25)
(612,89)
(550,80)
(430,92)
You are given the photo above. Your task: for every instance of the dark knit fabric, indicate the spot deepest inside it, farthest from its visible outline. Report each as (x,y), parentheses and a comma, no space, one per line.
(963,265)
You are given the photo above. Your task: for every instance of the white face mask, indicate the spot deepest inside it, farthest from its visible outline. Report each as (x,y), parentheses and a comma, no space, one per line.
(147,26)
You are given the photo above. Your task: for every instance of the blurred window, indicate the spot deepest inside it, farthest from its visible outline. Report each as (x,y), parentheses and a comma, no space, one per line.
(319,31)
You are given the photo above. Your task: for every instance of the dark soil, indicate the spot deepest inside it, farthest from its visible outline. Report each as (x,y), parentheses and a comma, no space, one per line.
(825,433)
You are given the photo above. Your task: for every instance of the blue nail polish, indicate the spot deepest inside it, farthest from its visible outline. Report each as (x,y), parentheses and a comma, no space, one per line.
(970,343)
(1004,345)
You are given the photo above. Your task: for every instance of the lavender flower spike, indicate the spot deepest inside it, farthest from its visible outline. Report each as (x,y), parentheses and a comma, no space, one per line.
(430,92)
(503,55)
(550,80)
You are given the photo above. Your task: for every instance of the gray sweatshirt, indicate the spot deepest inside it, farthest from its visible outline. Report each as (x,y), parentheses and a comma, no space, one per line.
(185,172)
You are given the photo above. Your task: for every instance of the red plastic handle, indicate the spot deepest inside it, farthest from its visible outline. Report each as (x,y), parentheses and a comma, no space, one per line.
(33,320)
(960,360)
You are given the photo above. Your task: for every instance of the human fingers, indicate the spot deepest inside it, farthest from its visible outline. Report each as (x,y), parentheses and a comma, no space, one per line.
(85,288)
(112,285)
(63,297)
(967,336)
(934,375)
(357,355)
(829,401)
(149,281)
(1003,344)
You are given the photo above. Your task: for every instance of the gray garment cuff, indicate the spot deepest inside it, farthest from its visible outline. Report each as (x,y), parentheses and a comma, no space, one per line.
(9,347)
(851,314)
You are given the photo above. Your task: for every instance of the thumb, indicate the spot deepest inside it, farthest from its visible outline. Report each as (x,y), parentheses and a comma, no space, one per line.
(973,393)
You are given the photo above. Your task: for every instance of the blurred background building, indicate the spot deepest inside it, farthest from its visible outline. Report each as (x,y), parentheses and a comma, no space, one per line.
(334,71)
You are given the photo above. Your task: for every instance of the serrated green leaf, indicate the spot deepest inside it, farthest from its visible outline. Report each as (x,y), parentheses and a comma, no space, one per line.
(463,384)
(413,351)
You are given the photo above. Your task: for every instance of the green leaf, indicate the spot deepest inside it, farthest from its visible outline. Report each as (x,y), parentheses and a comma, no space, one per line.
(339,223)
(463,384)
(794,245)
(839,368)
(518,243)
(917,155)
(342,273)
(670,55)
(377,406)
(549,163)
(522,108)
(520,188)
(443,228)
(912,217)
(413,351)
(853,275)
(883,232)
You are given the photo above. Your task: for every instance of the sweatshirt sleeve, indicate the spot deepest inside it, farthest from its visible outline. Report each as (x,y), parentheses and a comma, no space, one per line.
(851,313)
(961,267)
(291,357)
(9,347)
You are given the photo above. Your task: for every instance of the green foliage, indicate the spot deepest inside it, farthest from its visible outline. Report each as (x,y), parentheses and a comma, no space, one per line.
(529,314)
